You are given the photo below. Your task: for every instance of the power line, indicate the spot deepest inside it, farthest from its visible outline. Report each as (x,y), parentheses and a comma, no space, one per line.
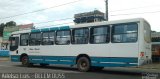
(134,8)
(72,18)
(41,9)
(110,15)
(53,20)
(135,13)
(56,24)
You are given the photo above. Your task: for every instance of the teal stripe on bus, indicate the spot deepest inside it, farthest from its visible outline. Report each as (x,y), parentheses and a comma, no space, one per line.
(35,30)
(54,28)
(71,60)
(64,28)
(45,30)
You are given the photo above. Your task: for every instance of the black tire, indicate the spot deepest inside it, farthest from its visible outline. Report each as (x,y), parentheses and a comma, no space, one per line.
(43,65)
(25,61)
(94,68)
(83,64)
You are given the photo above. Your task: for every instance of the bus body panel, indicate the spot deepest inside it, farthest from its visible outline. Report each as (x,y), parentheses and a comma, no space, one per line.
(144,43)
(105,55)
(124,50)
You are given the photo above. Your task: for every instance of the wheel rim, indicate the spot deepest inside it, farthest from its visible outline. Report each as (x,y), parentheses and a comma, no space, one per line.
(24,60)
(83,65)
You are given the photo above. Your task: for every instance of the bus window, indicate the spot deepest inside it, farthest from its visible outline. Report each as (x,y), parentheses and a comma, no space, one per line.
(51,37)
(48,38)
(63,37)
(100,34)
(80,36)
(124,33)
(35,39)
(24,39)
(147,33)
(14,41)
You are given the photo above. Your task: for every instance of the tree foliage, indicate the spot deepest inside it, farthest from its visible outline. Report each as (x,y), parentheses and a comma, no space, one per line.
(8,24)
(2,25)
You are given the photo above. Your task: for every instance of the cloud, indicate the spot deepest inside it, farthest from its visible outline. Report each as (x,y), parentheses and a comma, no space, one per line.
(14,7)
(19,7)
(141,6)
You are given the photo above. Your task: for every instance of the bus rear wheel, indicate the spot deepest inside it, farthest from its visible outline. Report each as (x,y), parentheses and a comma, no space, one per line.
(25,61)
(83,64)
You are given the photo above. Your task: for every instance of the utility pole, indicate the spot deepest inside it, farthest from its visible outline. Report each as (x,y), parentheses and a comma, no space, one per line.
(106,10)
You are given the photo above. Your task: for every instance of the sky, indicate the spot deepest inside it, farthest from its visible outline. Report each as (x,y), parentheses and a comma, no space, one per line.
(55,11)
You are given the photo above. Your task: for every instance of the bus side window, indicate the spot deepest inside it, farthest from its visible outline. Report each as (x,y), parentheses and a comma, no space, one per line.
(99,34)
(48,38)
(24,39)
(63,37)
(80,36)
(35,39)
(125,33)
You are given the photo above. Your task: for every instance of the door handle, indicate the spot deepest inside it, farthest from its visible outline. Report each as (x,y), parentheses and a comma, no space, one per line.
(17,52)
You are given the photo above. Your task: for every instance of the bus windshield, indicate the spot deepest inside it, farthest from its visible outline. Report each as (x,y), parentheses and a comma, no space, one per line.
(14,41)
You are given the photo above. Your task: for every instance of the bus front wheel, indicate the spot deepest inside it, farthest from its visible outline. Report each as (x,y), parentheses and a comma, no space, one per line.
(83,64)
(25,61)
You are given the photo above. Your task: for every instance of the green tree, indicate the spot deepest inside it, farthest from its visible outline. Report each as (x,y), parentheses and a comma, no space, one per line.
(10,24)
(2,25)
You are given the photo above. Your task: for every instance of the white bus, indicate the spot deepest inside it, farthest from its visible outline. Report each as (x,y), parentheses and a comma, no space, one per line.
(120,43)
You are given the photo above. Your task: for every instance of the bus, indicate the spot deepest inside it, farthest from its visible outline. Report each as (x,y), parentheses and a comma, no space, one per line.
(120,43)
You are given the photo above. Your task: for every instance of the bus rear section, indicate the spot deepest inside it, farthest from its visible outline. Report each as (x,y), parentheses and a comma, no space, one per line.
(145,54)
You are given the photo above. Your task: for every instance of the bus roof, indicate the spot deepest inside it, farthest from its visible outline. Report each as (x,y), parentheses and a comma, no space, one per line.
(80,25)
(109,22)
